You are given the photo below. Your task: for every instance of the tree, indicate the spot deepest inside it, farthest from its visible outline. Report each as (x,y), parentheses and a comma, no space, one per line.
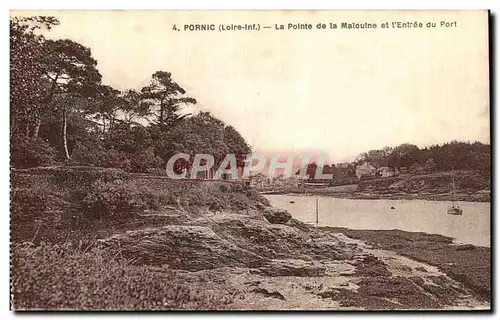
(106,105)
(66,103)
(377,158)
(167,96)
(59,103)
(27,85)
(206,134)
(236,145)
(134,107)
(430,165)
(69,69)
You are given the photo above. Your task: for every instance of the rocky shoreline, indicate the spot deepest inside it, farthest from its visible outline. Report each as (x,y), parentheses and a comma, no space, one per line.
(230,245)
(464,197)
(289,265)
(472,187)
(465,263)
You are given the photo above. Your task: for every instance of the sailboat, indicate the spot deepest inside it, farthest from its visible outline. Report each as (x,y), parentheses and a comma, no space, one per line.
(454,208)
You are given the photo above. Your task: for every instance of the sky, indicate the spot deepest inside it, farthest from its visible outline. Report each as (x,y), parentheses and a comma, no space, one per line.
(337,91)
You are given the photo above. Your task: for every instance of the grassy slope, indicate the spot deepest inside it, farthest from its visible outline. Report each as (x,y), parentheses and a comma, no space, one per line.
(58,277)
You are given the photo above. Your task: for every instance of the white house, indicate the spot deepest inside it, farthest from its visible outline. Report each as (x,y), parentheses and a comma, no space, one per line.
(385,172)
(365,169)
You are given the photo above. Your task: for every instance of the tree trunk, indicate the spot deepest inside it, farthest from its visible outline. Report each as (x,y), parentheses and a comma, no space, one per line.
(36,130)
(161,113)
(111,127)
(162,109)
(27,132)
(64,137)
(45,106)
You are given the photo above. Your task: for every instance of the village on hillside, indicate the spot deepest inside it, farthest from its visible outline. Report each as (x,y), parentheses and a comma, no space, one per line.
(344,174)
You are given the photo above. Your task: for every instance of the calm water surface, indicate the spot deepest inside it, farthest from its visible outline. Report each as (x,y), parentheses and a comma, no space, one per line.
(472,227)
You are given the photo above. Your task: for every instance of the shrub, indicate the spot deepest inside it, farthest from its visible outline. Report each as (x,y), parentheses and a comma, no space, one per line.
(87,155)
(145,161)
(141,161)
(119,198)
(58,277)
(224,187)
(33,199)
(101,157)
(28,153)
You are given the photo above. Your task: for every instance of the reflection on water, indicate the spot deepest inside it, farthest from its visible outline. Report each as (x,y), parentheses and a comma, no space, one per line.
(410,215)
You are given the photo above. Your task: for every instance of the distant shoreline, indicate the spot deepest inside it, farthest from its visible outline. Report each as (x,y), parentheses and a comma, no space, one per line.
(475,197)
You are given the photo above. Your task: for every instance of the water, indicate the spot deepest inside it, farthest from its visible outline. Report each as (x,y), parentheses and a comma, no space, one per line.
(473,227)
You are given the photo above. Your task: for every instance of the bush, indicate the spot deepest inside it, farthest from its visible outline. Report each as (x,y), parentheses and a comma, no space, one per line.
(29,153)
(61,277)
(100,157)
(142,161)
(119,198)
(33,199)
(145,161)
(87,156)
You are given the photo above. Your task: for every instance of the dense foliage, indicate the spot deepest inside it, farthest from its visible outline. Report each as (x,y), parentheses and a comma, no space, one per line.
(61,112)
(61,277)
(457,155)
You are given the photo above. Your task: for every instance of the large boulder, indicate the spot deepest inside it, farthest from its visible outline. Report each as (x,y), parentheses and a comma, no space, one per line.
(277,216)
(291,268)
(273,241)
(190,248)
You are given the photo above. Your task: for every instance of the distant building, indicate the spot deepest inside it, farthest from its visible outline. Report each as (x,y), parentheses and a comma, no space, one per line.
(260,181)
(365,170)
(385,172)
(295,181)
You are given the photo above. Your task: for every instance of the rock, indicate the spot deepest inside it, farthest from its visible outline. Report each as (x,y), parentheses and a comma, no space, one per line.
(372,266)
(267,293)
(190,248)
(277,216)
(292,268)
(273,241)
(465,247)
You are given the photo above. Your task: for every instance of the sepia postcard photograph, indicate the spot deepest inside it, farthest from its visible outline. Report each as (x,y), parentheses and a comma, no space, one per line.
(250,160)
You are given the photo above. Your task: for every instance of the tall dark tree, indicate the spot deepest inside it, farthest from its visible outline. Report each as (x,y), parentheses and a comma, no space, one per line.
(236,145)
(27,85)
(69,69)
(134,107)
(107,104)
(167,96)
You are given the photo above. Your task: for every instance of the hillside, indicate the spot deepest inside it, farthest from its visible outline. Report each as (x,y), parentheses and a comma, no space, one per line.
(470,186)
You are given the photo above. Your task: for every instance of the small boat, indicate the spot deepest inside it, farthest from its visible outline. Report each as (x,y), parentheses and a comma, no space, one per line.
(454,208)
(313,184)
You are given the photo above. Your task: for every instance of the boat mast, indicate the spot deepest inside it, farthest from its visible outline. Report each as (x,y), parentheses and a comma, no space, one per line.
(453,186)
(317,213)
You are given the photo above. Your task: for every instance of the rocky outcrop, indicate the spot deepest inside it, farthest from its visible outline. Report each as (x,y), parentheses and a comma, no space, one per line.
(190,248)
(277,216)
(292,268)
(232,240)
